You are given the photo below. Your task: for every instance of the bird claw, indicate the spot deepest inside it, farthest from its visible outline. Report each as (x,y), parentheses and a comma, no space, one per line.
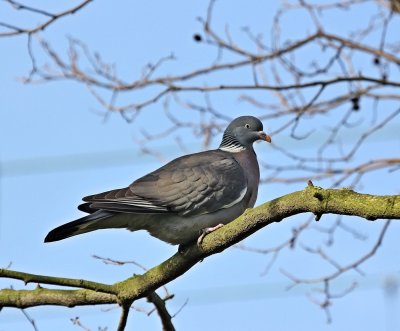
(206,231)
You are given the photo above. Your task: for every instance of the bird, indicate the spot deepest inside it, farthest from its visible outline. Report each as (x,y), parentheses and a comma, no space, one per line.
(185,199)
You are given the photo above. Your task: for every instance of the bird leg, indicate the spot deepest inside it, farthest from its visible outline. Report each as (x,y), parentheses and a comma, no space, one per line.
(203,232)
(206,231)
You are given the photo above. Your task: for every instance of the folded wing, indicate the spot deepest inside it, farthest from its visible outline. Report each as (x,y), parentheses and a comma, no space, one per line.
(191,185)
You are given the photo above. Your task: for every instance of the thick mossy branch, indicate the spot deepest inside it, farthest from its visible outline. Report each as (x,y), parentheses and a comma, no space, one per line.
(312,199)
(42,296)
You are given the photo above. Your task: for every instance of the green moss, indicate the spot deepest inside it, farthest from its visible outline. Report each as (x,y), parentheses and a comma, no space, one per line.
(312,199)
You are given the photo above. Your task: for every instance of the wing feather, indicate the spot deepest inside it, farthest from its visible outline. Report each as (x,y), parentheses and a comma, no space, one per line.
(191,185)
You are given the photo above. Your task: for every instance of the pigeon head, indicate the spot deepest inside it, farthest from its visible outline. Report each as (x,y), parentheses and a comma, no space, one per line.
(241,133)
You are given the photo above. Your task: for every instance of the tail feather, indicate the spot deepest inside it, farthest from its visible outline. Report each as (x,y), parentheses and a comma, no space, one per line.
(79,226)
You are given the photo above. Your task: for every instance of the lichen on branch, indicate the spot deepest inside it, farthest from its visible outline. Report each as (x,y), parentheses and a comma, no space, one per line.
(312,199)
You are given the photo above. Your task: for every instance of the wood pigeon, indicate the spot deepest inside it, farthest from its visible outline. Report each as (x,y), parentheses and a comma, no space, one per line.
(191,195)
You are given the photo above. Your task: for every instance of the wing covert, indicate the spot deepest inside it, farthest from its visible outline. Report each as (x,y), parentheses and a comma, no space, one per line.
(195,184)
(190,185)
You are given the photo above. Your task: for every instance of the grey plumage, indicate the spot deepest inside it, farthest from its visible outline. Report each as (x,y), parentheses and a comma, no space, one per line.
(191,193)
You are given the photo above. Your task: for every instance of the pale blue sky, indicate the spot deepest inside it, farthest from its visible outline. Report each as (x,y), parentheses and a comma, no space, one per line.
(55,149)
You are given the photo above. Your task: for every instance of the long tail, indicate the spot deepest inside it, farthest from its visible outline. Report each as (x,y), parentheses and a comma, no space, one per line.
(79,226)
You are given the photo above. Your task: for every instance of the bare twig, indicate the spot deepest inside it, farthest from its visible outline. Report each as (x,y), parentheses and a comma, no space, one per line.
(30,319)
(40,27)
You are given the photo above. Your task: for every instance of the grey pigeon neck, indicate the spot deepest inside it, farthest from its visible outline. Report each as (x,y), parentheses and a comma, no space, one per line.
(231,144)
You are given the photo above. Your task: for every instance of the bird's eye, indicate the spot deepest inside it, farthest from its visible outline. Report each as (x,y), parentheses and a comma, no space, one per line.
(247,126)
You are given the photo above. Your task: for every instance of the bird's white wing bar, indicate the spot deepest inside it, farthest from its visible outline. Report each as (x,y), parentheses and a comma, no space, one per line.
(241,196)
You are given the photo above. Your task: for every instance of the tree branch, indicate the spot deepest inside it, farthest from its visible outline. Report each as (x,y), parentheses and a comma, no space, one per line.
(162,311)
(31,278)
(41,26)
(124,316)
(43,296)
(312,199)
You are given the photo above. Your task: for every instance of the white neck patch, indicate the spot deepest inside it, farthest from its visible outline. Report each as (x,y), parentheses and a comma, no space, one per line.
(232,148)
